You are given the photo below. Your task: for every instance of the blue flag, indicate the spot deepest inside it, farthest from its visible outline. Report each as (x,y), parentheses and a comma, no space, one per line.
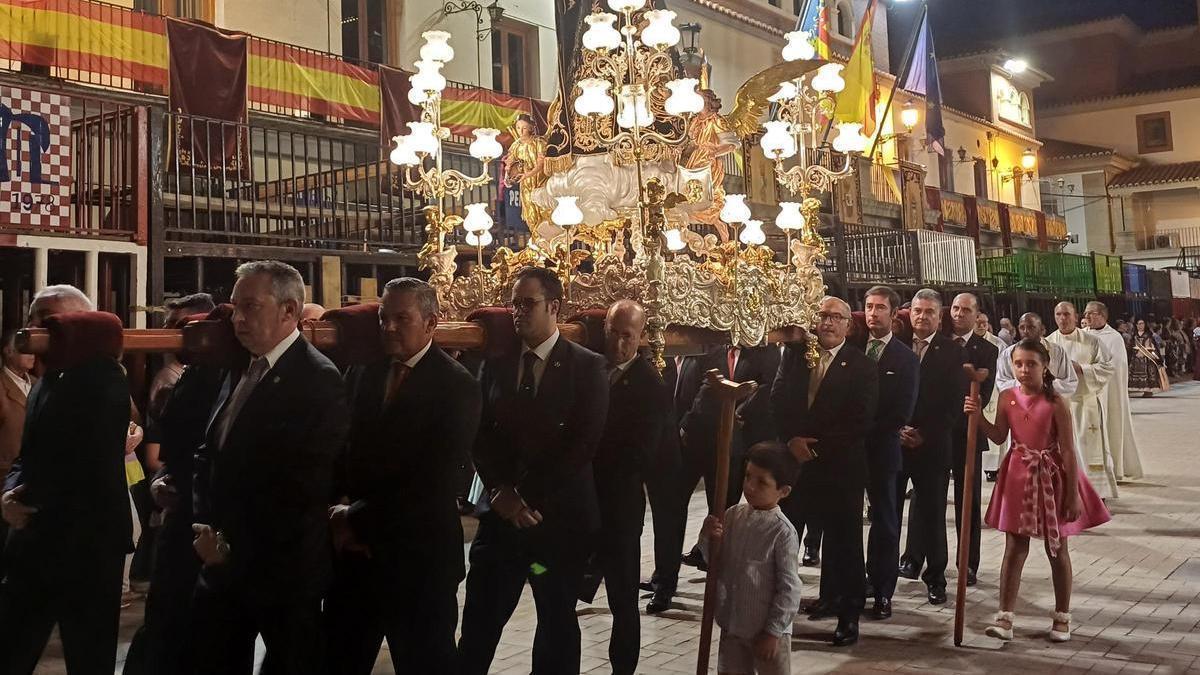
(922,78)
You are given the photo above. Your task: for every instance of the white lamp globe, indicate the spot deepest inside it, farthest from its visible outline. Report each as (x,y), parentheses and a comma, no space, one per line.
(850,138)
(422,139)
(626,5)
(752,233)
(787,91)
(402,154)
(595,99)
(684,99)
(437,46)
(828,79)
(485,147)
(675,240)
(600,33)
(634,107)
(566,213)
(482,239)
(789,217)
(660,32)
(428,76)
(477,218)
(777,142)
(735,209)
(799,46)
(417,96)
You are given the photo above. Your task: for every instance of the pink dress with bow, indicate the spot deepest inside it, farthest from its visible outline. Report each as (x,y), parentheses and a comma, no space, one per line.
(1027,499)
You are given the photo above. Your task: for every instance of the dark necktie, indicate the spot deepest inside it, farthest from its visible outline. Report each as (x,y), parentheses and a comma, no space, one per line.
(399,374)
(960,340)
(528,385)
(875,349)
(245,386)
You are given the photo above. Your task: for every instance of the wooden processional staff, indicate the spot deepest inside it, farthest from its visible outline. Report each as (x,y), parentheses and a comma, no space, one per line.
(968,505)
(729,393)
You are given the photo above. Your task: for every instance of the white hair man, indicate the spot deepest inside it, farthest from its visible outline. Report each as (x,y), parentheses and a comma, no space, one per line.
(1118,423)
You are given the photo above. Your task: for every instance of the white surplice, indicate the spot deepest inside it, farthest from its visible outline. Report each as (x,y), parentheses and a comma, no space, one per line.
(1065,380)
(1087,415)
(1118,422)
(995,452)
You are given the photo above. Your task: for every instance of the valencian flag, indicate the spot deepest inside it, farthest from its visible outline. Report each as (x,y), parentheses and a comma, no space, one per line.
(922,78)
(815,20)
(208,80)
(857,101)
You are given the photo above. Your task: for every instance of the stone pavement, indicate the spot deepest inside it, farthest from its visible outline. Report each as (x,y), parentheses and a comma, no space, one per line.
(1136,602)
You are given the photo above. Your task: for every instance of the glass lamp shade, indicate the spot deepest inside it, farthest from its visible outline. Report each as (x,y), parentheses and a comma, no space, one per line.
(626,5)
(675,240)
(799,46)
(847,140)
(789,217)
(595,99)
(752,233)
(909,116)
(428,76)
(402,154)
(417,96)
(684,98)
(481,239)
(828,79)
(477,218)
(600,33)
(787,91)
(1028,159)
(777,142)
(735,209)
(634,108)
(422,139)
(485,147)
(437,46)
(566,213)
(660,32)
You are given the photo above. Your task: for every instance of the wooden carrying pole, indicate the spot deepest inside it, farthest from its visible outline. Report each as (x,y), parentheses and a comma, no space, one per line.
(968,505)
(729,393)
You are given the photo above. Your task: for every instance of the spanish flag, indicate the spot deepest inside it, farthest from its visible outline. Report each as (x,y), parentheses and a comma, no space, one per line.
(858,100)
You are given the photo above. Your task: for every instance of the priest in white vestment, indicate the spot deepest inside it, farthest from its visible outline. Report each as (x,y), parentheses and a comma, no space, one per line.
(1031,327)
(1118,423)
(1093,365)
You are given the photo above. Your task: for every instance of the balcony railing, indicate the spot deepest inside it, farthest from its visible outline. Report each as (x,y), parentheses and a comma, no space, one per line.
(946,258)
(872,253)
(1033,271)
(885,184)
(273,185)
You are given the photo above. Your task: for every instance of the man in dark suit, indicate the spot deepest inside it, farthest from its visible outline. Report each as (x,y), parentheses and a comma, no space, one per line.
(67,506)
(699,424)
(637,413)
(823,413)
(927,439)
(544,407)
(262,484)
(899,374)
(399,540)
(668,504)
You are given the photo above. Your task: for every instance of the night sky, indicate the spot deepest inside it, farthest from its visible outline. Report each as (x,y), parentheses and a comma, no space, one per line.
(968,25)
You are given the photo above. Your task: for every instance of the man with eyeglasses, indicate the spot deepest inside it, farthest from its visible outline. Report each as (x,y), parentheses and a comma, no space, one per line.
(927,440)
(544,408)
(823,412)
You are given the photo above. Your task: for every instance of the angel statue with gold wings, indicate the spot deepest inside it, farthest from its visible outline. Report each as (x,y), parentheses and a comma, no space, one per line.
(712,138)
(524,166)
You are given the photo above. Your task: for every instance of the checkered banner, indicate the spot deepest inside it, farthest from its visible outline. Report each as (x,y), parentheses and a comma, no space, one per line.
(35,159)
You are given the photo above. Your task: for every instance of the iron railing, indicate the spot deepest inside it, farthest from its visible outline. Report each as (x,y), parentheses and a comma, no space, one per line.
(945,258)
(872,253)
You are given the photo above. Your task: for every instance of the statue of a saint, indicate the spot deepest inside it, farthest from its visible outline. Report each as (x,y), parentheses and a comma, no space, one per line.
(524,166)
(711,139)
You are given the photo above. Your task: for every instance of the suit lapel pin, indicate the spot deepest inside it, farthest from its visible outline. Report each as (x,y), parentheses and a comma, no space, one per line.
(557,364)
(275,380)
(843,364)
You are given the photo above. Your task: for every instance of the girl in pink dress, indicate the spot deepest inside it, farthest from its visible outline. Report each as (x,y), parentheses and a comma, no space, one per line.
(1041,490)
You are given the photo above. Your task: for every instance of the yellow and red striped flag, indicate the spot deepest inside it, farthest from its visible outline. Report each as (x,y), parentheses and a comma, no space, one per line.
(858,100)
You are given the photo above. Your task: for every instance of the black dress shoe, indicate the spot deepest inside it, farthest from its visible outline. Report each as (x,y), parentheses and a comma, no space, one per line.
(937,595)
(882,609)
(908,570)
(695,559)
(846,633)
(649,586)
(821,610)
(971,579)
(661,602)
(810,557)
(868,589)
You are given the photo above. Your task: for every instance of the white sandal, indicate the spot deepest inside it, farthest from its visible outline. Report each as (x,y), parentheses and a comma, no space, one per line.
(997,631)
(1058,635)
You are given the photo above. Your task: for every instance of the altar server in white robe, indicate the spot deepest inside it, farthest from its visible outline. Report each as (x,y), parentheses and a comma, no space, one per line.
(991,458)
(1031,326)
(1114,405)
(1093,366)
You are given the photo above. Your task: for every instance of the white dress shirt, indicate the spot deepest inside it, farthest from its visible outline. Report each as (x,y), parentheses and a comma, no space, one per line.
(928,340)
(23,383)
